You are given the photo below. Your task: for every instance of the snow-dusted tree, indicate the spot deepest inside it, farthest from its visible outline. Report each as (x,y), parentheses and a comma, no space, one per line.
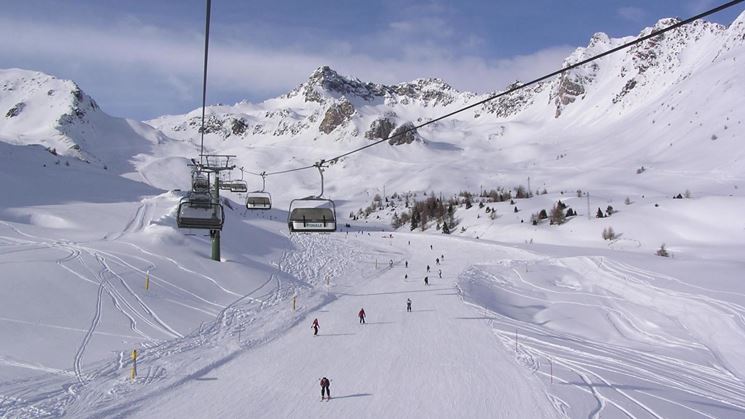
(557,214)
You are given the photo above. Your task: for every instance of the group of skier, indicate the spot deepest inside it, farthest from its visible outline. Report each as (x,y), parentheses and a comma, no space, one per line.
(325,382)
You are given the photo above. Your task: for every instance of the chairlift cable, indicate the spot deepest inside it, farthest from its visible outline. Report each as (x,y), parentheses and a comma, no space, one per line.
(524,85)
(204,78)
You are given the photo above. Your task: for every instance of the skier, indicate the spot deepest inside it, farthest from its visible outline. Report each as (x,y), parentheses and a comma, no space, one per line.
(407,264)
(406,276)
(427,268)
(439,272)
(325,384)
(408,305)
(426,280)
(362,315)
(390,264)
(442,258)
(409,242)
(437,261)
(430,247)
(315,327)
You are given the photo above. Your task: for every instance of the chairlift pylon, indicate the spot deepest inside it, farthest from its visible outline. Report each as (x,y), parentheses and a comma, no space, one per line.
(313,213)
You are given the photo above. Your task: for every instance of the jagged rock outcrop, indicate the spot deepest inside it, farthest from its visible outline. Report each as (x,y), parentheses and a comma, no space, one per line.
(381,128)
(511,103)
(405,134)
(15,110)
(336,115)
(326,84)
(238,126)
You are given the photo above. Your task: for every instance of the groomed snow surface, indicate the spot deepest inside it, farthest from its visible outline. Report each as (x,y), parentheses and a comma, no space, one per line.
(521,330)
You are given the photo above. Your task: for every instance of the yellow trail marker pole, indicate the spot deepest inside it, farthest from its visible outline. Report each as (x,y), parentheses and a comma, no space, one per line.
(147,280)
(134,364)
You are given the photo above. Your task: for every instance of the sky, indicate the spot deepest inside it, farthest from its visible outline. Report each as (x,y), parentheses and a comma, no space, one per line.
(141,58)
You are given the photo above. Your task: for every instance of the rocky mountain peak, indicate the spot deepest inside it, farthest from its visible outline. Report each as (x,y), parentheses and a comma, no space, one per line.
(326,83)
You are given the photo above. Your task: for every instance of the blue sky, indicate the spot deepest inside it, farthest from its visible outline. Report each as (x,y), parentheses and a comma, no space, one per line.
(141,59)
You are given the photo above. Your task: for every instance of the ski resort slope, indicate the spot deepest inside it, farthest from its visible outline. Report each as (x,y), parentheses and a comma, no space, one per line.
(442,360)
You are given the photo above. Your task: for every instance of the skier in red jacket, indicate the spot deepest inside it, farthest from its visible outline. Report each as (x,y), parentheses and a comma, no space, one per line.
(362,315)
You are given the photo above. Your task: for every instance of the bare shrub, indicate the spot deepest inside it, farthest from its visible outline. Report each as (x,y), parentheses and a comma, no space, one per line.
(609,234)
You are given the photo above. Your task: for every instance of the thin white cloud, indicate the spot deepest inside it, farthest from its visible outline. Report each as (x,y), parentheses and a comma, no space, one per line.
(633,14)
(698,6)
(247,70)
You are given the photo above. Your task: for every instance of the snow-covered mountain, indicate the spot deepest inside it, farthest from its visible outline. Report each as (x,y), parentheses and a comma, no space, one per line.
(329,104)
(661,104)
(40,109)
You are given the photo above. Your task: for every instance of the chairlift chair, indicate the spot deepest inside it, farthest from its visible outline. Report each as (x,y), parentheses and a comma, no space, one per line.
(200,182)
(238,186)
(313,213)
(259,200)
(198,210)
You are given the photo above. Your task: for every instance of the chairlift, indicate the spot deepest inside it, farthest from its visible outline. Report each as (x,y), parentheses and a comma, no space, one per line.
(198,210)
(200,182)
(238,186)
(234,185)
(313,213)
(259,200)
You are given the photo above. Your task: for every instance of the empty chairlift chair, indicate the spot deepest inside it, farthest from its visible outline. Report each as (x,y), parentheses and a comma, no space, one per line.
(259,200)
(238,186)
(314,213)
(197,210)
(200,182)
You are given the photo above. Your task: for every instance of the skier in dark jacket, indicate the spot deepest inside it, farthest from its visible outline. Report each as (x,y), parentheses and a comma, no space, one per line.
(362,315)
(426,280)
(315,327)
(325,391)
(427,268)
(408,305)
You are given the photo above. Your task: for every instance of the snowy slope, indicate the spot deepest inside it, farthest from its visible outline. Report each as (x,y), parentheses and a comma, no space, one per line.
(41,109)
(557,322)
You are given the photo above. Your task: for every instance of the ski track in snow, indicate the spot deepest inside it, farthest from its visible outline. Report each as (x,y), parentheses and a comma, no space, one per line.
(232,317)
(599,365)
(618,380)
